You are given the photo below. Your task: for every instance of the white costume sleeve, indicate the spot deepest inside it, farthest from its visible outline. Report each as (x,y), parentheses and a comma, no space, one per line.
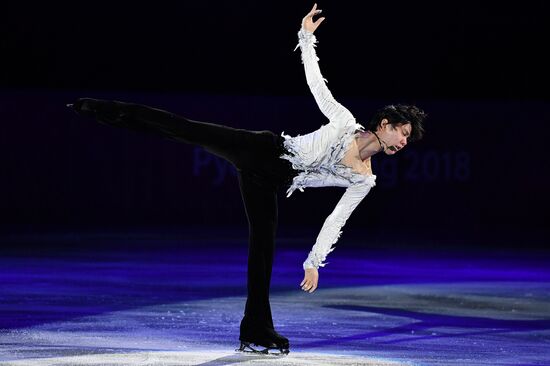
(334,111)
(331,230)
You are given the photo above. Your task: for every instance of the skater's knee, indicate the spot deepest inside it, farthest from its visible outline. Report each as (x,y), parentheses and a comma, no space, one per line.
(263,231)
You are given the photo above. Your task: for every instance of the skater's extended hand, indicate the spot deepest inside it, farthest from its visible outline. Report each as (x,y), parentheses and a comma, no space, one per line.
(308,24)
(311,278)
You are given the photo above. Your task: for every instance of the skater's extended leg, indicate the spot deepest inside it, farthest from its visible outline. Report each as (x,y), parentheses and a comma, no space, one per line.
(243,148)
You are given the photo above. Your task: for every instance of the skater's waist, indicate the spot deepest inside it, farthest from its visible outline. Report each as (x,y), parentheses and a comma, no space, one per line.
(289,172)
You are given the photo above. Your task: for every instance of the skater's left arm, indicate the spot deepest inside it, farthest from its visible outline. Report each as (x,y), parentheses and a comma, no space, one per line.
(331,230)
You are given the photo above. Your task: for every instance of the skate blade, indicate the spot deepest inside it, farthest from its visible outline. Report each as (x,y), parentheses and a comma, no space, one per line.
(247,347)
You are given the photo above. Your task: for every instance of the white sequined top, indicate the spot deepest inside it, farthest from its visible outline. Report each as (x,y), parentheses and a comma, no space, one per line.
(317,155)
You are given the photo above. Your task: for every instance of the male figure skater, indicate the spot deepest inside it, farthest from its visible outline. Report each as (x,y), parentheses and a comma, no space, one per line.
(337,154)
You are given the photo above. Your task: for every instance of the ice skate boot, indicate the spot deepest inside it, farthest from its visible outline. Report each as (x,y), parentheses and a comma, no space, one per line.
(272,343)
(104,111)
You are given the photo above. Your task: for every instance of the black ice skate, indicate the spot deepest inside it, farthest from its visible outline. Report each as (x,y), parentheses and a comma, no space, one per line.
(268,348)
(272,342)
(132,116)
(104,111)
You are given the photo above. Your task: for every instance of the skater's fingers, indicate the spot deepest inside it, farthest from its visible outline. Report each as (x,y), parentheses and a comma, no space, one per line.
(308,278)
(313,9)
(313,286)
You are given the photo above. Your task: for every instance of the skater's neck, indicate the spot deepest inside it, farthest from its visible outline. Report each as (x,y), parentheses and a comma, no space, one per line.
(368,144)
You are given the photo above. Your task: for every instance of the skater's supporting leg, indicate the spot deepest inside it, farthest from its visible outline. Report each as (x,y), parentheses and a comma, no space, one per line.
(260,203)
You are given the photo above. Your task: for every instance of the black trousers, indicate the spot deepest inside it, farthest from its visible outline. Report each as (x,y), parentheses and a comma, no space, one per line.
(261,174)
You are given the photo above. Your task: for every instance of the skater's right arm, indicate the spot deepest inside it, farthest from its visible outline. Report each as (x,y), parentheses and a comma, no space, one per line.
(334,111)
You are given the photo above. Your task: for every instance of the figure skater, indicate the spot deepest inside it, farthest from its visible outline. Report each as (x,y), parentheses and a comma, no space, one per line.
(337,154)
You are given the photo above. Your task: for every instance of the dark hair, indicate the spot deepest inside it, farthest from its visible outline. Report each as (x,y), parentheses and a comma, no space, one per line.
(400,114)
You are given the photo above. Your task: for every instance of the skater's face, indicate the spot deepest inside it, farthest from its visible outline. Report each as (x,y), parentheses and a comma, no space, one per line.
(394,136)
